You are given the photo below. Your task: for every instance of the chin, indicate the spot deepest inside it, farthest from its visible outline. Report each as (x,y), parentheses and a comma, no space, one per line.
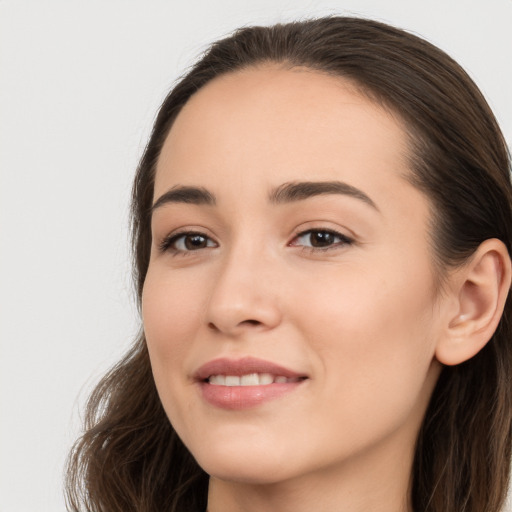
(244,474)
(249,465)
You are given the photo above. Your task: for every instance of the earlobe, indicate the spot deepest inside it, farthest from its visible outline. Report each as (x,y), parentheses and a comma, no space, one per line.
(480,289)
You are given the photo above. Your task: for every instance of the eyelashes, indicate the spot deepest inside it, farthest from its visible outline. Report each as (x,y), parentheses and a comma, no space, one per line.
(320,239)
(187,241)
(312,240)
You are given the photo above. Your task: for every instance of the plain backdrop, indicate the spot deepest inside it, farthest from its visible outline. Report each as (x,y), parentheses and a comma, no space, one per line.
(80,82)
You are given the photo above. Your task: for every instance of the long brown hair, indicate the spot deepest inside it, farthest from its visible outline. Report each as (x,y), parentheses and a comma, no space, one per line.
(130,458)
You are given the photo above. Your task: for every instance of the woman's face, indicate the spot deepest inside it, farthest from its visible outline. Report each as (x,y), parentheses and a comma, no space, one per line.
(289,306)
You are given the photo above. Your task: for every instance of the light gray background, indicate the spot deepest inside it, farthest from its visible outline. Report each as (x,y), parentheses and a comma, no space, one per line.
(79,85)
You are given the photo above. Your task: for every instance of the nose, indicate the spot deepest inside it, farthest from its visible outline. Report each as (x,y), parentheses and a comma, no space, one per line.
(244,295)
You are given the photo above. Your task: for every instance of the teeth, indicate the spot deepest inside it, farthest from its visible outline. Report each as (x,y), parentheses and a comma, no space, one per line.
(219,380)
(251,379)
(265,379)
(232,380)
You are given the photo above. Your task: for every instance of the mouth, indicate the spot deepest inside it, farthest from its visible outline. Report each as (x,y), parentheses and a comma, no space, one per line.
(250,379)
(245,383)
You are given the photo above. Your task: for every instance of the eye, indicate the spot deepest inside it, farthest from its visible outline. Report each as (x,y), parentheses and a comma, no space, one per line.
(321,239)
(186,242)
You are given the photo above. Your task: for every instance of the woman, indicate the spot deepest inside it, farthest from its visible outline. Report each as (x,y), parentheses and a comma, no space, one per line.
(322,230)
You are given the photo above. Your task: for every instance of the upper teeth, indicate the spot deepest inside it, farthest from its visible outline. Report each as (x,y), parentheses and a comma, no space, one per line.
(251,379)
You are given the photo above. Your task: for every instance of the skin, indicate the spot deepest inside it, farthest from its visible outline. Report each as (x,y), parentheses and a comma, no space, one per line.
(362,320)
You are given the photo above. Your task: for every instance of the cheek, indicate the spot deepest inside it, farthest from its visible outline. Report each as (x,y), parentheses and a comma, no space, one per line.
(170,313)
(381,308)
(374,335)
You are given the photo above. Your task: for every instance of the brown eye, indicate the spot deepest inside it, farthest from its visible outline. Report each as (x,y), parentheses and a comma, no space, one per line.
(186,242)
(321,239)
(193,242)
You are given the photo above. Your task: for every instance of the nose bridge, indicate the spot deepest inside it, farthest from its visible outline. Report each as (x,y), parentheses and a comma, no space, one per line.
(243,294)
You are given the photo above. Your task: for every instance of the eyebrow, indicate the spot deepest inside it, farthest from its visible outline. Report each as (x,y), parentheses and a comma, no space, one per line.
(285,193)
(185,194)
(298,191)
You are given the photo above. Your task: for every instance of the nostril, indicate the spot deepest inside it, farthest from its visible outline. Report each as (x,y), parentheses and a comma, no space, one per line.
(213,327)
(250,322)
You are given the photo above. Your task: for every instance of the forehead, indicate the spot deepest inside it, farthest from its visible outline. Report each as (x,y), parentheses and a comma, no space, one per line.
(248,132)
(271,118)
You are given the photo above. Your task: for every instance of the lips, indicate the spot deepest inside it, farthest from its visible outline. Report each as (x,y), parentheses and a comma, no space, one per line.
(244,366)
(245,383)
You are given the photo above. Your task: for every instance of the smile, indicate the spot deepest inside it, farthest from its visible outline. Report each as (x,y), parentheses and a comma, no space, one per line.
(250,379)
(235,384)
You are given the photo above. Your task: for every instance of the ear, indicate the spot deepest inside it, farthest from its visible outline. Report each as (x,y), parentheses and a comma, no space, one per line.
(479,290)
